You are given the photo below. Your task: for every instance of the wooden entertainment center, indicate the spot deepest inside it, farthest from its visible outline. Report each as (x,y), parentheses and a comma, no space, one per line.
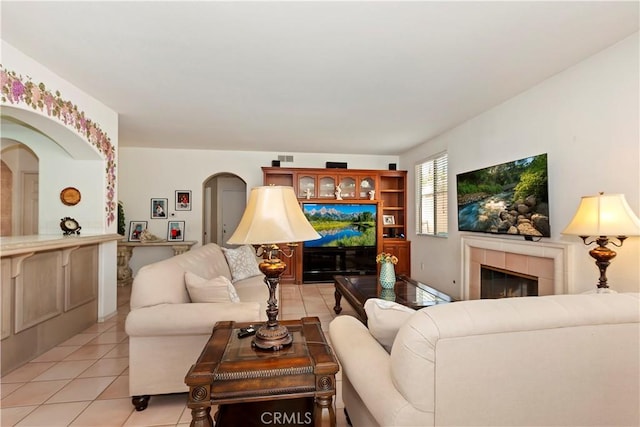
(387,187)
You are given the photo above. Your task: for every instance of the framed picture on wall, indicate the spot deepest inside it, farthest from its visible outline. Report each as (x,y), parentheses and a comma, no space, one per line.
(183,200)
(135,230)
(159,208)
(175,231)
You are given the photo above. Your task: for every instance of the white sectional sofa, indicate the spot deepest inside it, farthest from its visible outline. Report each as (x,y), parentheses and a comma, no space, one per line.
(167,331)
(562,360)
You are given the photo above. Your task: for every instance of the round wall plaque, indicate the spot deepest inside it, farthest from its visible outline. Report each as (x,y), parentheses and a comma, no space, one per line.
(70,196)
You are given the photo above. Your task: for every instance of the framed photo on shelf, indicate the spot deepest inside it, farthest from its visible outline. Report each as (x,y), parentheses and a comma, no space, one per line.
(175,231)
(159,208)
(388,220)
(135,230)
(183,200)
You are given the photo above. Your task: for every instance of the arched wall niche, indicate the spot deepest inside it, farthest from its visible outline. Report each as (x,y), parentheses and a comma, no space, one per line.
(65,160)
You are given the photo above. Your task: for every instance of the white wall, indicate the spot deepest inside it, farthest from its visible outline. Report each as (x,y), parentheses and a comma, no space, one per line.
(146,173)
(587,120)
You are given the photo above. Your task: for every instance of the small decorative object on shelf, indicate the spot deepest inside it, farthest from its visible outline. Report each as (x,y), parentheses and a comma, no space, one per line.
(135,230)
(69,226)
(338,192)
(387,263)
(175,231)
(388,219)
(147,237)
(372,194)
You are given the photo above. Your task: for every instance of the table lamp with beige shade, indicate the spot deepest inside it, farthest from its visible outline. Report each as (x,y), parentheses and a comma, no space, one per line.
(603,219)
(273,216)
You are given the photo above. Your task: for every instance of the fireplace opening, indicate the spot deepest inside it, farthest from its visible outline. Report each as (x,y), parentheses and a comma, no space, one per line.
(499,283)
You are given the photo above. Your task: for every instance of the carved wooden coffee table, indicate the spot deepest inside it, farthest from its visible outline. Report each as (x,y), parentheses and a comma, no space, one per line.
(230,371)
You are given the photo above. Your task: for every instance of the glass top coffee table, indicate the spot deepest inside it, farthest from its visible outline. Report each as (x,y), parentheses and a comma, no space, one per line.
(408,292)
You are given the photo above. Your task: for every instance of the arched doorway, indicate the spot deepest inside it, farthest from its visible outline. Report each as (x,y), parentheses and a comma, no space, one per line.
(19,182)
(225,197)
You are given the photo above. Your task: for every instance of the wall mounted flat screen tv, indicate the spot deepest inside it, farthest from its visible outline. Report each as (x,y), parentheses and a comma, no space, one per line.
(342,225)
(509,198)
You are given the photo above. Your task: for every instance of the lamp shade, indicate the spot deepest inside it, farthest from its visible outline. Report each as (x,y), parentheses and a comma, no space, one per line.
(272,215)
(604,215)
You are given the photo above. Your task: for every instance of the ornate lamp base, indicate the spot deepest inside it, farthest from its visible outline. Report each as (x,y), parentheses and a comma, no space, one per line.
(272,338)
(272,335)
(603,256)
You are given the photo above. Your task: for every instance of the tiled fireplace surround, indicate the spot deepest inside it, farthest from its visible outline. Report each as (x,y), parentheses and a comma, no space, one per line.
(548,261)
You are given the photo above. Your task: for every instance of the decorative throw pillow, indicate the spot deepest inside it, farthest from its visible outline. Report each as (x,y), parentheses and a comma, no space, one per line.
(218,289)
(242,262)
(385,319)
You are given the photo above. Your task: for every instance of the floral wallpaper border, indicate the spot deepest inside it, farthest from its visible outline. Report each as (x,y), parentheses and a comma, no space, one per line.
(16,89)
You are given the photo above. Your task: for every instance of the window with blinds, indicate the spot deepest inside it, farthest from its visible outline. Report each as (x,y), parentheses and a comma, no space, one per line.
(431,196)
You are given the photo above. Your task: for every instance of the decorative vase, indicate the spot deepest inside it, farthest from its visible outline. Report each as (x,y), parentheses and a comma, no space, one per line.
(388,294)
(387,275)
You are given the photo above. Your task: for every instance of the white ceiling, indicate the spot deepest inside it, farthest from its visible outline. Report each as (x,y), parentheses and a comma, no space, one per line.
(322,77)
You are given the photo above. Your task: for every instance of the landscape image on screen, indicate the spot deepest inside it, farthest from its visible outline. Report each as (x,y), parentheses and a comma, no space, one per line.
(509,198)
(342,225)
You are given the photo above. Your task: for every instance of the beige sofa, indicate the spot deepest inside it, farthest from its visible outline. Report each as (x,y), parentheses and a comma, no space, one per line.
(564,360)
(167,331)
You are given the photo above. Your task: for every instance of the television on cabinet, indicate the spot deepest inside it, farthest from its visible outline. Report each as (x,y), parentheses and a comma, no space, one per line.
(342,225)
(509,198)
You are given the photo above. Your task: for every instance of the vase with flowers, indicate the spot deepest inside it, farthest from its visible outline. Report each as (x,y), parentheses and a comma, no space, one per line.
(387,263)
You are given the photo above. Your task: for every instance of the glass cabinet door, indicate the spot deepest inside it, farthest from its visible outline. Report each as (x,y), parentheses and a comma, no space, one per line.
(327,187)
(367,188)
(348,188)
(306,187)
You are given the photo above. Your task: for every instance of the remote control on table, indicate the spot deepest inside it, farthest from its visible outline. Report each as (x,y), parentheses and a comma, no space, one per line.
(246,332)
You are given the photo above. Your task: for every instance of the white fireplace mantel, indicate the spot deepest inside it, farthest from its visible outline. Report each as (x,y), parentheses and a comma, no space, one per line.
(559,252)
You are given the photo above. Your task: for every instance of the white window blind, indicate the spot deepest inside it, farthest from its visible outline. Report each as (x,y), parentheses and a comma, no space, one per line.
(431,196)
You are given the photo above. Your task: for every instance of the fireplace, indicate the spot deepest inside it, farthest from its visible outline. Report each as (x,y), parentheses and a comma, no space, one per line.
(499,283)
(547,261)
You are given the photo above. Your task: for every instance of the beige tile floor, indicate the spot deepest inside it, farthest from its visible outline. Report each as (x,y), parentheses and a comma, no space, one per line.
(84,381)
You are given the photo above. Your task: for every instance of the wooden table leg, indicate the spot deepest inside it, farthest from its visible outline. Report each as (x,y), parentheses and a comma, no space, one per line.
(322,403)
(337,309)
(200,404)
(201,417)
